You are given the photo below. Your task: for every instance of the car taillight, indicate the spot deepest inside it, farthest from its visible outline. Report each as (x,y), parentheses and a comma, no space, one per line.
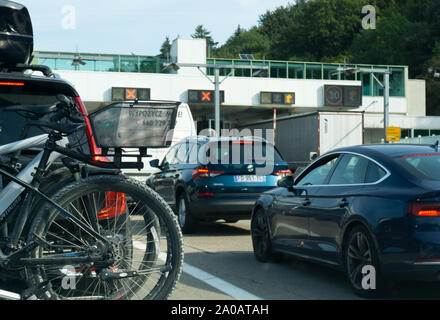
(115,205)
(94,149)
(283,173)
(429,209)
(202,173)
(12,84)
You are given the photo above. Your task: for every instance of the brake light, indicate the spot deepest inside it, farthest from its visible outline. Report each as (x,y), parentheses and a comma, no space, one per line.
(421,155)
(203,173)
(283,173)
(12,84)
(205,194)
(242,142)
(115,205)
(430,209)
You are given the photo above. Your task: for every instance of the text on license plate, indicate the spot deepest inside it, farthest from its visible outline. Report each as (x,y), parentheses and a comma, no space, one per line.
(250,178)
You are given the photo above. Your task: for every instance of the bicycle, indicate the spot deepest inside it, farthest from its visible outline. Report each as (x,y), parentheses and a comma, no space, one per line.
(102,236)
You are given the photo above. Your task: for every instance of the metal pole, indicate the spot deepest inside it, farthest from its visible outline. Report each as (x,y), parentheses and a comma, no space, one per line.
(386,95)
(217,101)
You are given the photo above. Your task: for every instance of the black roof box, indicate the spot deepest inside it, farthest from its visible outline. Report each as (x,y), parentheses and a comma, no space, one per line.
(16,35)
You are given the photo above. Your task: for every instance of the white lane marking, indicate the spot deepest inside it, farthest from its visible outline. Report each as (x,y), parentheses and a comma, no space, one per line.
(222,285)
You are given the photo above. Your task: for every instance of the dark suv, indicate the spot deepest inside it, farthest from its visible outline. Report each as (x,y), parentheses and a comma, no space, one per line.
(206,178)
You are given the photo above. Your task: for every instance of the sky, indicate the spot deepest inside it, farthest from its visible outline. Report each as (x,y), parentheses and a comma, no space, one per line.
(136,26)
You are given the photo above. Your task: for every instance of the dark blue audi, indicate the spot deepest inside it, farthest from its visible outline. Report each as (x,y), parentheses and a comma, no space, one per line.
(356,207)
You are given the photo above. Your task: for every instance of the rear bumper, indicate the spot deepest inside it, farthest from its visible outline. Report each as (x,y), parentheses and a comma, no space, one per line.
(213,209)
(419,261)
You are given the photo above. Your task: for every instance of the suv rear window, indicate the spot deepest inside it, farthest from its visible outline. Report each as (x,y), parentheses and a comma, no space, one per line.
(239,152)
(28,93)
(425,166)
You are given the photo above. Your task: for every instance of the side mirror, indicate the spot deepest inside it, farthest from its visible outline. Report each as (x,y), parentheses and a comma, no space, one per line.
(155,163)
(286,182)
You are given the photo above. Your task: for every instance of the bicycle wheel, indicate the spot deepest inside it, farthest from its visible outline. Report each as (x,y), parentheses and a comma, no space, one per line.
(146,242)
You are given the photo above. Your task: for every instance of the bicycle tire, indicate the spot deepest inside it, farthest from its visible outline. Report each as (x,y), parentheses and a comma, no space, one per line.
(159,215)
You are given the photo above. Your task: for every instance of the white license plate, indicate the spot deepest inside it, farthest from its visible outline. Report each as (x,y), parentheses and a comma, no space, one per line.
(250,178)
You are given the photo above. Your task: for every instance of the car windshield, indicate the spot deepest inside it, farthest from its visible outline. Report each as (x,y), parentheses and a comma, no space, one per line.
(425,166)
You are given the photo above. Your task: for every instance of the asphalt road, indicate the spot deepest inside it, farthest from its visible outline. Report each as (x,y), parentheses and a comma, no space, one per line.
(219,265)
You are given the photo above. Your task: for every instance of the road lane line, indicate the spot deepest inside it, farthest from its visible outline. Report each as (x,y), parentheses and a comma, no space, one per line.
(215,282)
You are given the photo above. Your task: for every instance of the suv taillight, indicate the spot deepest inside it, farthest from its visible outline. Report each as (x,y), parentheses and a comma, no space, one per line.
(115,205)
(428,209)
(94,149)
(202,173)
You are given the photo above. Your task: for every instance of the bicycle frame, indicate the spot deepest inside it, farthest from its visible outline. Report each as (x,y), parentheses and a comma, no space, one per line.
(28,179)
(12,192)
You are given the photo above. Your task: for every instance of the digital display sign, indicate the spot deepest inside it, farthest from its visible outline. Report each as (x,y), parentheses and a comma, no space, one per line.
(204,96)
(131,94)
(342,96)
(280,98)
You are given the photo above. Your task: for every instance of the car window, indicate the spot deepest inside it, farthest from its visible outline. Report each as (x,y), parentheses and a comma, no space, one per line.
(425,166)
(32,93)
(169,158)
(318,175)
(374,173)
(242,152)
(182,153)
(350,170)
(193,155)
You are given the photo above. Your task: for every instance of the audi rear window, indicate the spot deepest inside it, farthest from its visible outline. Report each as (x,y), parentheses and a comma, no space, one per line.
(425,166)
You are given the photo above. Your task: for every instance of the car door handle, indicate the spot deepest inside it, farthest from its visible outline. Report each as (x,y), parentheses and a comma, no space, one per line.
(343,203)
(306,203)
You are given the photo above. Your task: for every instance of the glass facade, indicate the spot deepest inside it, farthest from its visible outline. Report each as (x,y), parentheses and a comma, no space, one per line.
(276,69)
(100,62)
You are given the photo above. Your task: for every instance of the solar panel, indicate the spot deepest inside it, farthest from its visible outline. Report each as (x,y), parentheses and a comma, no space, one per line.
(246,56)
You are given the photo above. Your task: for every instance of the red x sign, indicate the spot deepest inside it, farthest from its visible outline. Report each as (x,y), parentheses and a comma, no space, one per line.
(130,94)
(206,96)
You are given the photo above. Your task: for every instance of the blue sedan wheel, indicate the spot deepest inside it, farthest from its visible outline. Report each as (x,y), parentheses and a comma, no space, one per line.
(362,263)
(261,237)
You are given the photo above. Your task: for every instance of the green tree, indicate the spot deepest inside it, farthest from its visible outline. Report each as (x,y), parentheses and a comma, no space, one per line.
(165,48)
(252,41)
(432,82)
(318,28)
(202,33)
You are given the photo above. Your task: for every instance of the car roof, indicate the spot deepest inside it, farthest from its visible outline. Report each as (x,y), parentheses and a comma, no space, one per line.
(391,150)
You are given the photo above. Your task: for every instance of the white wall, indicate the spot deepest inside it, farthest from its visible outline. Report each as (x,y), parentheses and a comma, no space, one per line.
(416,93)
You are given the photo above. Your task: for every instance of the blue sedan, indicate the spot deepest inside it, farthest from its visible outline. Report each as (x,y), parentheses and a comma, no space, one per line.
(372,211)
